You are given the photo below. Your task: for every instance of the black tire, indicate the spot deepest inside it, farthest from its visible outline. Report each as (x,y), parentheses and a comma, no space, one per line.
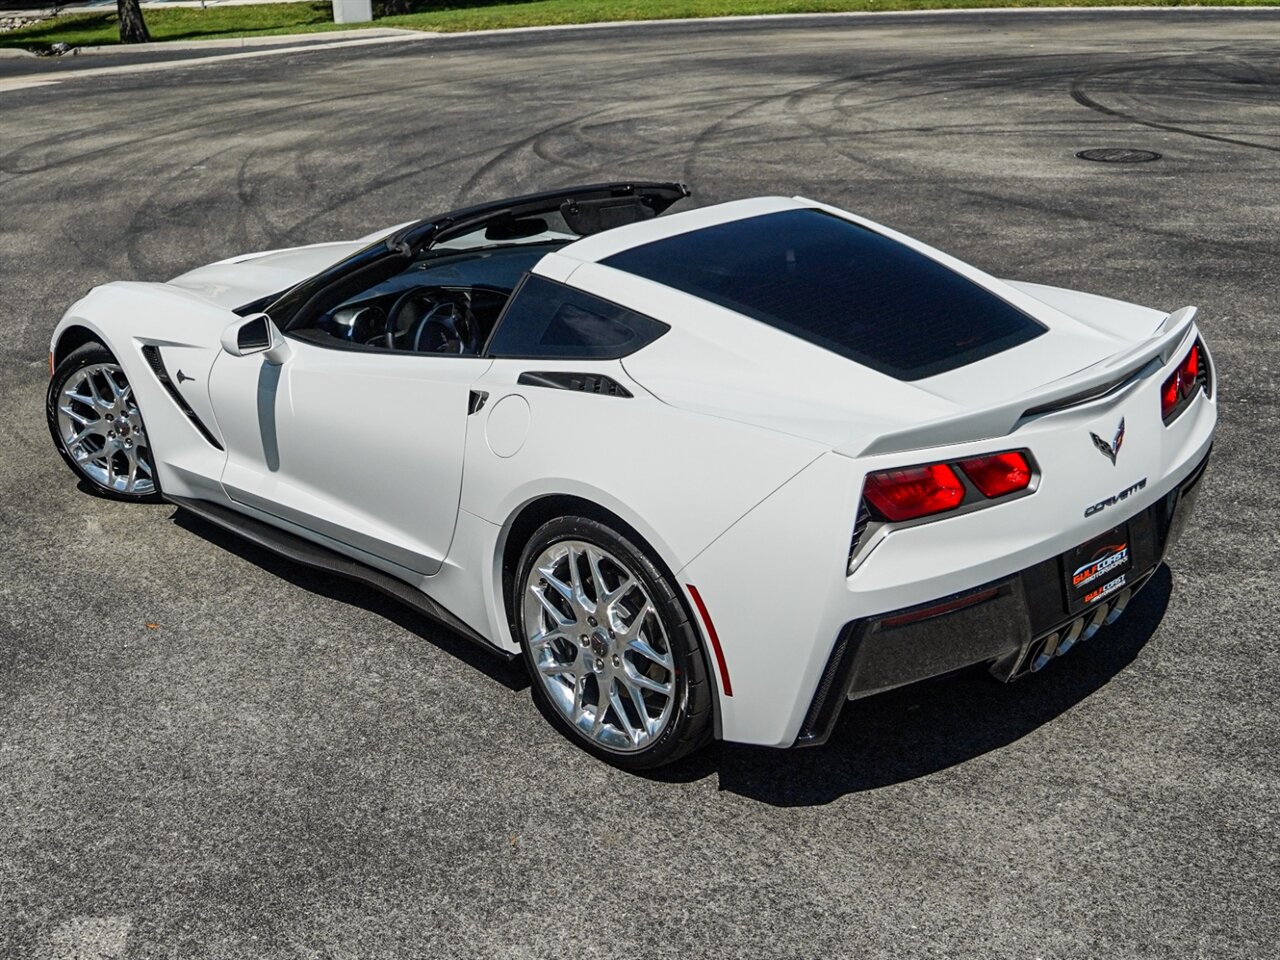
(87,355)
(690,723)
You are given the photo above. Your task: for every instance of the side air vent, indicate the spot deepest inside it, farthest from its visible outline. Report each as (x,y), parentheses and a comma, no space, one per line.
(832,689)
(152,354)
(1204,377)
(859,528)
(580,382)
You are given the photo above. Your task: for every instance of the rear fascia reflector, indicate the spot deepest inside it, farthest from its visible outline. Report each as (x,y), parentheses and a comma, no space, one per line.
(714,638)
(938,609)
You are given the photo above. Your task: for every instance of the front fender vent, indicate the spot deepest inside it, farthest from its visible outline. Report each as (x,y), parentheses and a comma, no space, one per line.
(152,354)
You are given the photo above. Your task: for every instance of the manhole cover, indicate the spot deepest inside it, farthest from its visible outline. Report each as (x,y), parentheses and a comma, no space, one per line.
(1118,155)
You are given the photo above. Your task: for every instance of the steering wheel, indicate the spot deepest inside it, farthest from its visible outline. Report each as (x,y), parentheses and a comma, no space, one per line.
(419,297)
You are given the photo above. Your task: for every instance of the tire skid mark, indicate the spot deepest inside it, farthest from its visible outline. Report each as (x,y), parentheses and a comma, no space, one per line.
(1081,96)
(789,97)
(836,143)
(509,152)
(181,128)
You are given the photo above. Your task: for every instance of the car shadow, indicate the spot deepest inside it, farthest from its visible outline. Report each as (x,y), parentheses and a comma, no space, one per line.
(511,674)
(891,738)
(914,731)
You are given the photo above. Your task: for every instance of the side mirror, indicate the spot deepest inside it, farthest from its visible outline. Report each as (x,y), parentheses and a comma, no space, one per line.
(256,334)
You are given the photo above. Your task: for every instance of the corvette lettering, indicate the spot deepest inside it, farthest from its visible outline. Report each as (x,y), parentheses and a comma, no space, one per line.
(1112,501)
(1106,560)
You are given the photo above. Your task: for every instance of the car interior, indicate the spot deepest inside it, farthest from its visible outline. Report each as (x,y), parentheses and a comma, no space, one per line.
(446,293)
(449,299)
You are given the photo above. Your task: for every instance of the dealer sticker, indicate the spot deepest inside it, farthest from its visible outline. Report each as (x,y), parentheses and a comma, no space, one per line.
(1111,557)
(1094,569)
(1105,590)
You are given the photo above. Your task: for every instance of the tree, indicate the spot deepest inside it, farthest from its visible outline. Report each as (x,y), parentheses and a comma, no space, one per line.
(133,29)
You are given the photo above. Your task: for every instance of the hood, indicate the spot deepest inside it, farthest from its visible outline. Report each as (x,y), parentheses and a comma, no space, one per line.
(236,281)
(233,283)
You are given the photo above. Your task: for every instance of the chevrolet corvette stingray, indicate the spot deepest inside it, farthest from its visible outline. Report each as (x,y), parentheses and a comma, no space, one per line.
(712,474)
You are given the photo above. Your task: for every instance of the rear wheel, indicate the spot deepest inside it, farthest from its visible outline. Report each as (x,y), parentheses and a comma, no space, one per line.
(614,658)
(97,426)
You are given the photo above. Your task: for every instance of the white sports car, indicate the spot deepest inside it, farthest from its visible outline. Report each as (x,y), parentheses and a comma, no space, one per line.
(712,474)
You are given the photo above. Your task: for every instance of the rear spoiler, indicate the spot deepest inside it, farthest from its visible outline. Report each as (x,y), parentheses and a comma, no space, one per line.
(1104,377)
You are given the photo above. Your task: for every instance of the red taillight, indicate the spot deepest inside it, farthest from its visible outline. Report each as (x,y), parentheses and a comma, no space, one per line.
(1169,393)
(915,491)
(1181,384)
(1187,372)
(999,473)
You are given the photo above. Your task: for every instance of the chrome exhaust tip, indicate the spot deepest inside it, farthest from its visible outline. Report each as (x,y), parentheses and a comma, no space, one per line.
(1117,608)
(1095,622)
(1042,652)
(1072,635)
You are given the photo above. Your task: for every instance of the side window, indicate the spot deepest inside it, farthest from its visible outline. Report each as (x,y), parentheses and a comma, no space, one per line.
(549,321)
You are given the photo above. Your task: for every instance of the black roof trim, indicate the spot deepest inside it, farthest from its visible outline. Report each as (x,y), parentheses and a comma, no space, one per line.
(405,243)
(657,194)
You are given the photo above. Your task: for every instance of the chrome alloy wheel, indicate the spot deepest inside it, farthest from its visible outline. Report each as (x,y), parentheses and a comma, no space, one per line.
(101,429)
(599,646)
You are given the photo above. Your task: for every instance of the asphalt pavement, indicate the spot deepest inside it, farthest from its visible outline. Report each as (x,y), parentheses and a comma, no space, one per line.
(206,751)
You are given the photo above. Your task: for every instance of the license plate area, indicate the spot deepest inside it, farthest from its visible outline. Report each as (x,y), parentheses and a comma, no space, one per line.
(1097,569)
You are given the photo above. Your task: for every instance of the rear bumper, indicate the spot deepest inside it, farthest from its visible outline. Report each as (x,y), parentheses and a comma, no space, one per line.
(1015,624)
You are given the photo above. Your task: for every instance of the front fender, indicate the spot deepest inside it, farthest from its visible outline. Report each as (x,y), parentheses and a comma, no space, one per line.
(127,317)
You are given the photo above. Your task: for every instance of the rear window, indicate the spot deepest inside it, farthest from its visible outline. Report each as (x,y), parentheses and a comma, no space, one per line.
(840,286)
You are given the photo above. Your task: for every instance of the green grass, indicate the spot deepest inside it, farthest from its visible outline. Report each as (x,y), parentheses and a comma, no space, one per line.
(449,16)
(178,23)
(181,23)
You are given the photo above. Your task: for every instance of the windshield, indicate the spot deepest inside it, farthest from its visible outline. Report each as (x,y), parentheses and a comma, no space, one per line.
(538,222)
(543,230)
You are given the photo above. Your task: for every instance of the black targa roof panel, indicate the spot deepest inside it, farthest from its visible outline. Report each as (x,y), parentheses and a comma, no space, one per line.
(840,286)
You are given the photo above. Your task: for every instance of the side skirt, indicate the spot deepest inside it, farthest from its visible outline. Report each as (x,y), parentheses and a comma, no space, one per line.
(313,555)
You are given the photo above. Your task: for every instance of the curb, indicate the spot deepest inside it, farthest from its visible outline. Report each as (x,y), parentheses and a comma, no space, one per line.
(360,36)
(1155,9)
(44,78)
(243,43)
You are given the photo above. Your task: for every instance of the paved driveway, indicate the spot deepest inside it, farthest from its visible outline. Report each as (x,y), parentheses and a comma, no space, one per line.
(209,752)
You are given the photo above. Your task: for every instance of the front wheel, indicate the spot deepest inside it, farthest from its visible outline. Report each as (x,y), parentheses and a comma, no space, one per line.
(97,426)
(614,658)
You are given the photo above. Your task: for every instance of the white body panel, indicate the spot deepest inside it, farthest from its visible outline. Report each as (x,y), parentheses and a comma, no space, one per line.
(360,447)
(739,459)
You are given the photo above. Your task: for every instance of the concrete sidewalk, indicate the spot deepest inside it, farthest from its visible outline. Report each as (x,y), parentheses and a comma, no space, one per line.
(20,69)
(236,43)
(27,9)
